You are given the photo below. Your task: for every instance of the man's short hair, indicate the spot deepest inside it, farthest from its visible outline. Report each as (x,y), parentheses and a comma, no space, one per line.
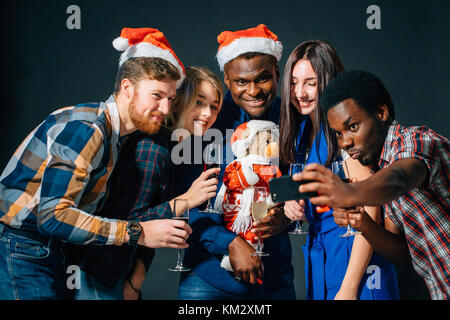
(363,87)
(136,69)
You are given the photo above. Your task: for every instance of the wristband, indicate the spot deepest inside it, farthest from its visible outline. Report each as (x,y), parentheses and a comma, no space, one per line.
(133,287)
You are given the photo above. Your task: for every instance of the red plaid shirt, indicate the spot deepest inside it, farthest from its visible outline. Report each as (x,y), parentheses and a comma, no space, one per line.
(423,213)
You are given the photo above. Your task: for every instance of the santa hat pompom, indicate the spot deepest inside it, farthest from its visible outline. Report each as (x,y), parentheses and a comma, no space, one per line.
(120,44)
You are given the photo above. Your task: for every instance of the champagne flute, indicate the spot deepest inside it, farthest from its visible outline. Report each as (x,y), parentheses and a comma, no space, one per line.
(212,159)
(296,168)
(180,204)
(340,169)
(259,211)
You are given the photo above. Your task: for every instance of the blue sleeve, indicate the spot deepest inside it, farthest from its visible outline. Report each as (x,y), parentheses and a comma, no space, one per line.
(209,232)
(212,234)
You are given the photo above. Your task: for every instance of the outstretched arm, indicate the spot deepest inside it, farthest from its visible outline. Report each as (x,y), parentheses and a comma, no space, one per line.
(384,186)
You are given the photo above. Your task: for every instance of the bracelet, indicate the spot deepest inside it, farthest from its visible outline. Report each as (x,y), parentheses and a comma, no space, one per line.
(133,287)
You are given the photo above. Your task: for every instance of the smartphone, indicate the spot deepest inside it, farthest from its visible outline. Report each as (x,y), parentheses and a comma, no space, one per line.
(284,189)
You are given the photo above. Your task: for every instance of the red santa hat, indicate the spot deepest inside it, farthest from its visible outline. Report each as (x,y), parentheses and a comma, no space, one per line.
(258,39)
(146,42)
(240,144)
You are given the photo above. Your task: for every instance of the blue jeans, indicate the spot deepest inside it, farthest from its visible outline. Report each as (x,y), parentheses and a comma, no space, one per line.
(30,269)
(192,287)
(92,289)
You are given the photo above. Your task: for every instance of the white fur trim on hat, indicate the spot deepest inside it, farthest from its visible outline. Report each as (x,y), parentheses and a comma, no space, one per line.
(249,44)
(259,125)
(240,147)
(145,49)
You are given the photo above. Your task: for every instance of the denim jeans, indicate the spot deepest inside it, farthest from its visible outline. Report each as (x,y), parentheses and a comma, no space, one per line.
(30,269)
(92,289)
(192,287)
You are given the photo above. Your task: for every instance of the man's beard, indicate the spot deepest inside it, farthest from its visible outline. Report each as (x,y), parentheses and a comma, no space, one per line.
(144,123)
(379,138)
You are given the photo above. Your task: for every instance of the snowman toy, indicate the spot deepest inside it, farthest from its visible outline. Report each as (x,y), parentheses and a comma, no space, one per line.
(255,145)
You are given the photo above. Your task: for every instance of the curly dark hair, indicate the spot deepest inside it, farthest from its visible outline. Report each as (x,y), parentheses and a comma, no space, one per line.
(363,87)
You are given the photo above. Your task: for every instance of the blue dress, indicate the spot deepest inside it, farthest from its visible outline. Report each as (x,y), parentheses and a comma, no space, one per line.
(326,254)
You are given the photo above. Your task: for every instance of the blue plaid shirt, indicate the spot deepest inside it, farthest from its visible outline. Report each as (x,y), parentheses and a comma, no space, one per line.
(57,178)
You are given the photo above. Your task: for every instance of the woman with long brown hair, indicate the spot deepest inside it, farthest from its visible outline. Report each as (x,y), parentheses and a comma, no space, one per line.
(335,267)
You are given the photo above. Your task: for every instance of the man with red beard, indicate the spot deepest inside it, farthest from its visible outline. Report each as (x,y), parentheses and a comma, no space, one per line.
(56,181)
(139,187)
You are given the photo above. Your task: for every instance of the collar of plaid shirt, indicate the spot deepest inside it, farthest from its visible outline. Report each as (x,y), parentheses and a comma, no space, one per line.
(115,120)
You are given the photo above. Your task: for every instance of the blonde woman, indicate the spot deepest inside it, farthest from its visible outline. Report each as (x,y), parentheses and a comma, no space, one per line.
(197,103)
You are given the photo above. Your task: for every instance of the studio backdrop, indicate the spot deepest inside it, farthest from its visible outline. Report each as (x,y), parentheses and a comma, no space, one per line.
(59,53)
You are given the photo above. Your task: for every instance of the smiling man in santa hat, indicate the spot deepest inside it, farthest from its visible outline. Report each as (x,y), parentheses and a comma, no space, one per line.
(249,59)
(57,179)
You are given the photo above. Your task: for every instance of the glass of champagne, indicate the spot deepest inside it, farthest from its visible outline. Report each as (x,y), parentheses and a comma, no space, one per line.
(180,205)
(340,169)
(296,168)
(212,159)
(259,211)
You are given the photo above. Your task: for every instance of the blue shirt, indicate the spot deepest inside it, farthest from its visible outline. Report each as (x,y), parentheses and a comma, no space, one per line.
(210,239)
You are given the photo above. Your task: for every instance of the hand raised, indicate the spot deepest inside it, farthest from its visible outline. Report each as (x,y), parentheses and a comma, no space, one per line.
(331,189)
(202,188)
(356,217)
(164,233)
(270,225)
(295,210)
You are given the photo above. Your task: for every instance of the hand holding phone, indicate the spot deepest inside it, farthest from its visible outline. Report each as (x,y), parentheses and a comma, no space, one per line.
(284,189)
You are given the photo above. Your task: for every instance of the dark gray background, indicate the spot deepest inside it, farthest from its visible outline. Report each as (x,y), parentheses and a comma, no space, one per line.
(46,66)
